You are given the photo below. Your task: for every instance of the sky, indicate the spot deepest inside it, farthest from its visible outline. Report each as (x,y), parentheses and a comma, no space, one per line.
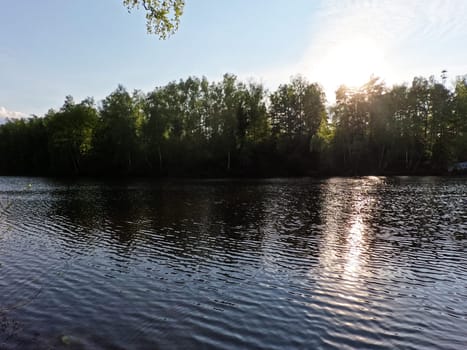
(53,48)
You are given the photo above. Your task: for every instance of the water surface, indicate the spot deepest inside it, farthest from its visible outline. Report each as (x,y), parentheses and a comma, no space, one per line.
(342,263)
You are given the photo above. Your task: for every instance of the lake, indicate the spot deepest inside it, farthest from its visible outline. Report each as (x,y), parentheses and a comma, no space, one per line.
(339,263)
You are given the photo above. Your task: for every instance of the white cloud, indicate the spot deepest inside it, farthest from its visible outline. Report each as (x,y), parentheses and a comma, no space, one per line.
(5,113)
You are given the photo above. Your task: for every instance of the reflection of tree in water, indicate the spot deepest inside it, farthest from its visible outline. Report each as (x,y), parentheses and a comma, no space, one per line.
(186,219)
(189,219)
(292,224)
(96,216)
(202,220)
(422,218)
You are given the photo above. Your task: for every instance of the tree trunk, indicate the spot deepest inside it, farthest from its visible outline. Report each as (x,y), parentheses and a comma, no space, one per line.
(381,159)
(406,159)
(160,158)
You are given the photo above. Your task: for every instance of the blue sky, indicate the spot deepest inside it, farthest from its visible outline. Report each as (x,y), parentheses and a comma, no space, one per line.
(53,48)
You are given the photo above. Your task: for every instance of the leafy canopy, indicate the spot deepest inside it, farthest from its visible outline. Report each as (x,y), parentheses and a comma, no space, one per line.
(162,16)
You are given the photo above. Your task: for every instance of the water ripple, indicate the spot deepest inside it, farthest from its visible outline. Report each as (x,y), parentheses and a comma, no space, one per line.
(351,263)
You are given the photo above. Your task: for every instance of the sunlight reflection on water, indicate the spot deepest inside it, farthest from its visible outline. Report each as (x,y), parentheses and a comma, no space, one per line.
(356,262)
(355,241)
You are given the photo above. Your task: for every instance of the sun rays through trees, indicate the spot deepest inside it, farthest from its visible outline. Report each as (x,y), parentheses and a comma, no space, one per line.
(195,127)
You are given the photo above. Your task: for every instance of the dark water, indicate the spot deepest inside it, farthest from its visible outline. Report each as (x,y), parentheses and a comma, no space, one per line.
(367,263)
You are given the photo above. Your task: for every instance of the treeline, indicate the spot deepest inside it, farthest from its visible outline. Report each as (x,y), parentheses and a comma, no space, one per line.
(231,128)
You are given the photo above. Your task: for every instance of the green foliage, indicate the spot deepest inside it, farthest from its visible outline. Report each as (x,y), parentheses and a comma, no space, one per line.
(70,134)
(406,129)
(194,127)
(162,17)
(297,108)
(24,147)
(116,139)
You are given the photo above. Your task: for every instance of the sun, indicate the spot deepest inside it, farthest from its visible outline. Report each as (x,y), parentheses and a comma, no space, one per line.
(351,62)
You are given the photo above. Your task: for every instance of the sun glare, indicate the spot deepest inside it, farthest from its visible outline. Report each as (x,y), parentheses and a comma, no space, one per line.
(350,62)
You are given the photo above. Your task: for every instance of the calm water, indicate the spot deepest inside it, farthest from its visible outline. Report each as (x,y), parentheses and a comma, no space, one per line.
(364,263)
